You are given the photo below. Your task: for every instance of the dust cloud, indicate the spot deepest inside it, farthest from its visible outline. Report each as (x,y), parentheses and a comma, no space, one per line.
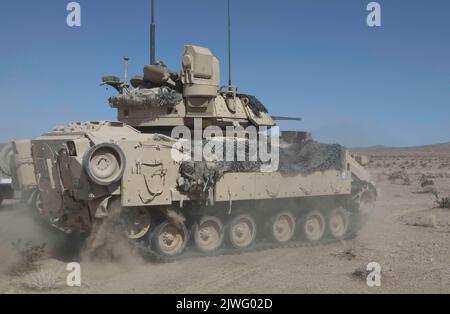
(9,257)
(103,253)
(17,230)
(106,252)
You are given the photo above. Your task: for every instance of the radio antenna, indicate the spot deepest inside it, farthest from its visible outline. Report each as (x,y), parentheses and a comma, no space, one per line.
(152,34)
(126,59)
(229,44)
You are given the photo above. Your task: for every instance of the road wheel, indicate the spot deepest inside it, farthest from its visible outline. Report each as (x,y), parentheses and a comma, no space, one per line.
(242,231)
(168,239)
(208,234)
(282,227)
(339,223)
(313,226)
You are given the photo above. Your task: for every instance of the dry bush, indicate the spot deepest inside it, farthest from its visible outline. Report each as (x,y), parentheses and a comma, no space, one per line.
(400,177)
(424,181)
(360,273)
(29,255)
(442,202)
(42,280)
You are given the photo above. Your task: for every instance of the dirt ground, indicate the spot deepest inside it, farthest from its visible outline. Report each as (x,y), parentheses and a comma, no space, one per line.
(408,238)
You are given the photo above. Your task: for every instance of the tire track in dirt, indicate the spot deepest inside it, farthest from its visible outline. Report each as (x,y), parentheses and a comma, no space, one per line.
(221,280)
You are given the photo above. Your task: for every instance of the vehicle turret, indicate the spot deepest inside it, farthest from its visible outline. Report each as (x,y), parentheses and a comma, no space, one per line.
(162,98)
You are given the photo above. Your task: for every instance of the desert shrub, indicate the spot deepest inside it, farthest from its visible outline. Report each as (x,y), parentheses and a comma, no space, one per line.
(443,202)
(360,273)
(29,255)
(42,280)
(424,181)
(399,177)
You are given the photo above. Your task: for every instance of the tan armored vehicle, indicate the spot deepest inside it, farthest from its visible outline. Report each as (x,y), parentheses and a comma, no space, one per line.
(144,169)
(6,188)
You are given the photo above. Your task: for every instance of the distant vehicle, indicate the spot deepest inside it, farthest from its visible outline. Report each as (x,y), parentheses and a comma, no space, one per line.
(6,191)
(6,188)
(363,160)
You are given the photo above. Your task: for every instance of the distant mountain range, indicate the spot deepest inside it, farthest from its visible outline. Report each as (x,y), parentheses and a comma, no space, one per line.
(430,149)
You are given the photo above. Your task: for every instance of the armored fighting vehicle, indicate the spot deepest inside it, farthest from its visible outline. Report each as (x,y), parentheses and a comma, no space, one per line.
(6,189)
(144,170)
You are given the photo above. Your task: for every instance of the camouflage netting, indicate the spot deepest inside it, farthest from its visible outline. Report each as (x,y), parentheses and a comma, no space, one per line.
(200,176)
(147,97)
(298,158)
(311,156)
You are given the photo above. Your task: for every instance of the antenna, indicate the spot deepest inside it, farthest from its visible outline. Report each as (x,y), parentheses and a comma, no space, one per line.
(152,34)
(229,45)
(126,59)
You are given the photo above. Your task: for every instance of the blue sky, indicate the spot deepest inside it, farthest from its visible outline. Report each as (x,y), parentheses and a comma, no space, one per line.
(316,59)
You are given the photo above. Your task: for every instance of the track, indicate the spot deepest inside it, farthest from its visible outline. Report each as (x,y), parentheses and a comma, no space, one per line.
(261,243)
(258,246)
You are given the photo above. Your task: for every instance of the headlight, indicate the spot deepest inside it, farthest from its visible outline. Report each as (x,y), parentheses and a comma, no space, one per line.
(104,164)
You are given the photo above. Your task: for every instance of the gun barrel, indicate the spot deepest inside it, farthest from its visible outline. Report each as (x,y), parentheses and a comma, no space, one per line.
(278,118)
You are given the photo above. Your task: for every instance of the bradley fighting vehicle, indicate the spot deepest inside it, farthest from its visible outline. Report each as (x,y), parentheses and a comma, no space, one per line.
(82,174)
